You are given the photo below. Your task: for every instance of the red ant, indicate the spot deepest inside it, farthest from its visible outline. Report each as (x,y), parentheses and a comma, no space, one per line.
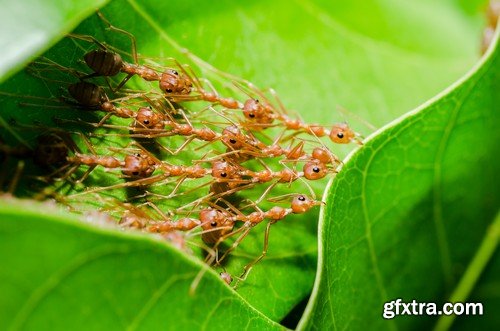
(299,205)
(107,63)
(340,133)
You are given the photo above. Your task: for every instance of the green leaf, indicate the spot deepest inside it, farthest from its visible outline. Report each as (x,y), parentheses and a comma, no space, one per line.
(408,212)
(30,27)
(372,57)
(62,262)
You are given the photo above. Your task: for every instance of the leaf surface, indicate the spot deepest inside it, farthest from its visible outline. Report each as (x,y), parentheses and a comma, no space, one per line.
(30,27)
(61,262)
(407,213)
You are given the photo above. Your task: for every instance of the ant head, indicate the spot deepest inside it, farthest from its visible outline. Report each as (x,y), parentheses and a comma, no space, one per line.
(138,166)
(148,118)
(171,82)
(314,170)
(87,94)
(232,137)
(253,109)
(215,224)
(302,203)
(341,133)
(222,170)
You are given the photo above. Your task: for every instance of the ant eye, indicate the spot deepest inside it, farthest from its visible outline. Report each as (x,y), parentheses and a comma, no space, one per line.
(168,90)
(137,154)
(257,100)
(223,174)
(175,72)
(150,107)
(232,141)
(340,135)
(214,224)
(145,122)
(135,173)
(316,169)
(302,198)
(251,115)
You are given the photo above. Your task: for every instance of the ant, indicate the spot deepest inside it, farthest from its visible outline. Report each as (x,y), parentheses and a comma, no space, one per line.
(299,205)
(107,63)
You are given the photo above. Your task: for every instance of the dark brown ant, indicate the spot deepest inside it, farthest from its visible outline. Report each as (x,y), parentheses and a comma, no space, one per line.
(203,95)
(51,149)
(263,113)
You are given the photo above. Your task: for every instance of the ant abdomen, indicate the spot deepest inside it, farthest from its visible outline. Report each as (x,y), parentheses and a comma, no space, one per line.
(103,62)
(87,94)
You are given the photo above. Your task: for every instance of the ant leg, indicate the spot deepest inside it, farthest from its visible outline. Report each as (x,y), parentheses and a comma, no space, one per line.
(191,74)
(210,67)
(128,34)
(49,65)
(85,175)
(266,192)
(67,174)
(211,256)
(245,228)
(16,177)
(196,202)
(87,143)
(87,38)
(103,120)
(123,82)
(180,148)
(177,186)
(135,183)
(156,209)
(233,190)
(210,85)
(248,267)
(278,100)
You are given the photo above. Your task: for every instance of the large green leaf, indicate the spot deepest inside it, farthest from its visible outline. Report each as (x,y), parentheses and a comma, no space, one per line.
(30,27)
(62,273)
(408,212)
(371,57)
